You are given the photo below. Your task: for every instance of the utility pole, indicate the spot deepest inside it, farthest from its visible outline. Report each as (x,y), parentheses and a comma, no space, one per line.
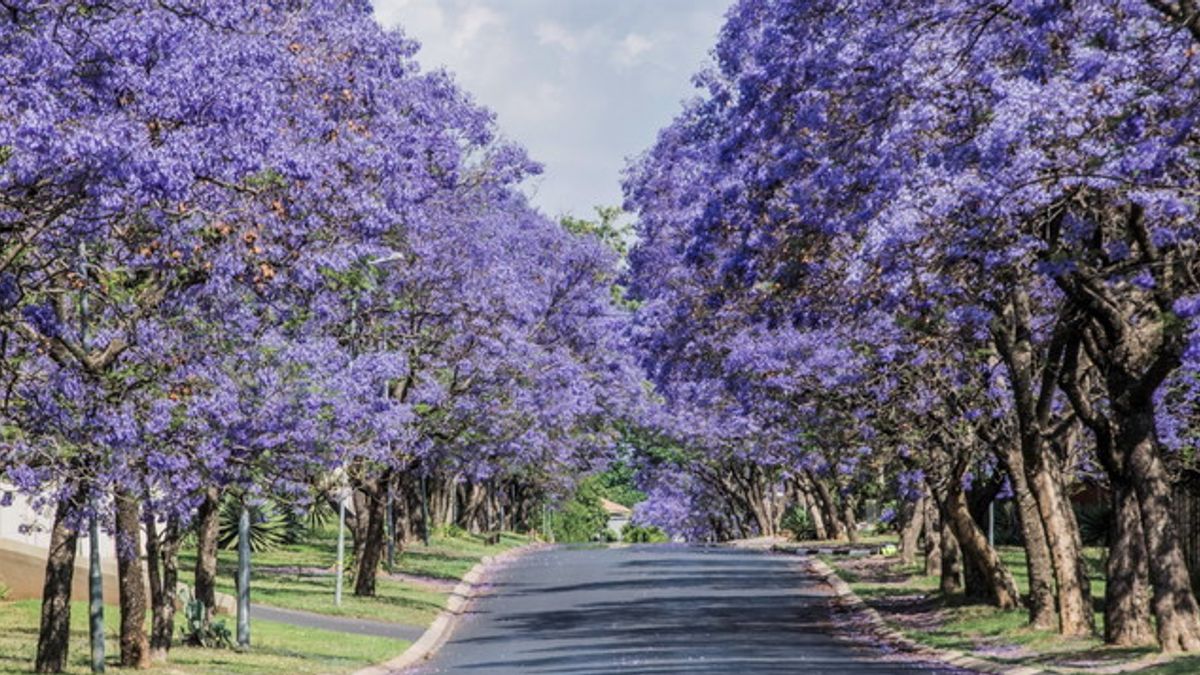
(243,578)
(95,574)
(992,523)
(424,512)
(341,547)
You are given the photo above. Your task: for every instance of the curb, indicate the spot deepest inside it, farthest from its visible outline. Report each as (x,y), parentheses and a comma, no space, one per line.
(439,631)
(846,597)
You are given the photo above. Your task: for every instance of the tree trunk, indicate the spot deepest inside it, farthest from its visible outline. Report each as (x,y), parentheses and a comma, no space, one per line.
(1173,604)
(135,645)
(1127,595)
(162,556)
(374,540)
(933,539)
(208,528)
(829,507)
(1074,589)
(952,568)
(1038,562)
(476,496)
(910,532)
(985,574)
(850,522)
(54,633)
(814,509)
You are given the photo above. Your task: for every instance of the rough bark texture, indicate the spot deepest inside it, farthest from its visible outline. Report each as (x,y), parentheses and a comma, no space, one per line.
(54,632)
(834,523)
(952,569)
(1074,588)
(985,575)
(131,580)
(910,534)
(1037,550)
(374,538)
(162,557)
(1174,605)
(933,539)
(1127,620)
(208,527)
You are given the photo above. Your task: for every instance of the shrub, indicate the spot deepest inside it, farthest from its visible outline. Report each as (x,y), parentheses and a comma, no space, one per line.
(199,631)
(643,534)
(798,521)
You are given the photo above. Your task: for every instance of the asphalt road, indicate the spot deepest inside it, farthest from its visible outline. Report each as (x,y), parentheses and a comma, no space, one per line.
(655,610)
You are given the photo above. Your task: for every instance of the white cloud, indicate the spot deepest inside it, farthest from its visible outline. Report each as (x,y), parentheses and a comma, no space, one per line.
(555,34)
(474,21)
(630,50)
(582,84)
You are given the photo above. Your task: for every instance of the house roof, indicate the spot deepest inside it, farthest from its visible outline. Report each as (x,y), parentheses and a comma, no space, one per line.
(615,509)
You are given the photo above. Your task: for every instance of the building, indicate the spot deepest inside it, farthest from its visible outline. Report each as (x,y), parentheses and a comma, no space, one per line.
(618,516)
(24,542)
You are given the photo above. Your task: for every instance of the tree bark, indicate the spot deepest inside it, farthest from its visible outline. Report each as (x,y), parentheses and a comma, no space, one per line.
(135,644)
(162,556)
(1174,605)
(848,519)
(374,539)
(55,629)
(1038,561)
(1127,595)
(952,568)
(910,533)
(208,528)
(833,521)
(814,509)
(1074,589)
(933,539)
(985,575)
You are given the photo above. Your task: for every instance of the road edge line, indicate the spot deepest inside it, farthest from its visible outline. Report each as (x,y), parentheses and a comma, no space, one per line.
(443,624)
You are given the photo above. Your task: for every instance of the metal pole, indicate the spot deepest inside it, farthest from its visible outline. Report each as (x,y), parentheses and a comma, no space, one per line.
(95,574)
(95,593)
(391,529)
(424,513)
(992,523)
(243,579)
(341,549)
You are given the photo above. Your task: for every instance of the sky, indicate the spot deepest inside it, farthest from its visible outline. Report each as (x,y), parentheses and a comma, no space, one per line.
(583,85)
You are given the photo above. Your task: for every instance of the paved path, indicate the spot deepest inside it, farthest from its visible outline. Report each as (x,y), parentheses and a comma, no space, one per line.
(338,624)
(655,610)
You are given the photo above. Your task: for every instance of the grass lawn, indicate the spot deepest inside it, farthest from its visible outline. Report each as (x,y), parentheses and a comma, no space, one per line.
(446,558)
(910,602)
(276,648)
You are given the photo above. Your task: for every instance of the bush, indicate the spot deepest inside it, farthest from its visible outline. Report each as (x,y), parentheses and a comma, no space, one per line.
(451,531)
(643,534)
(582,518)
(199,631)
(4,591)
(798,521)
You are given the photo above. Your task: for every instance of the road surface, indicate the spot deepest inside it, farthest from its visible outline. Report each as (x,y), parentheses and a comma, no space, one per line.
(654,610)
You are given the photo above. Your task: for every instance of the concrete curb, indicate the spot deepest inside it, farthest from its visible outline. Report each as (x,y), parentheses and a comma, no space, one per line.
(456,605)
(847,598)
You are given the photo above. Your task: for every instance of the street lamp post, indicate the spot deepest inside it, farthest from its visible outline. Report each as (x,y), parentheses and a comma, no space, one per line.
(341,547)
(95,574)
(243,578)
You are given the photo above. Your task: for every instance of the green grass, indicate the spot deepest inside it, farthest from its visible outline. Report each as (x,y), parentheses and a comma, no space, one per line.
(1002,635)
(446,558)
(276,648)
